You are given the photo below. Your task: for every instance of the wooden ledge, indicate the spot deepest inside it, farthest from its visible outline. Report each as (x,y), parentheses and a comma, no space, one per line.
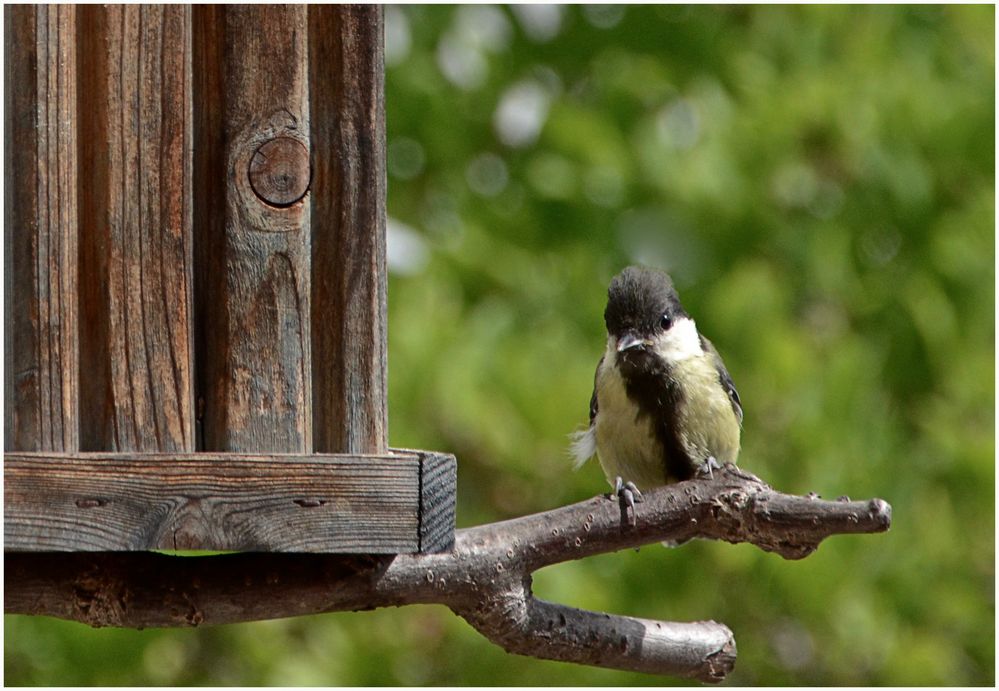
(400,502)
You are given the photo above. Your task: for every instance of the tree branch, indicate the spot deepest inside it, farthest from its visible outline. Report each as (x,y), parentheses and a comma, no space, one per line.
(486,578)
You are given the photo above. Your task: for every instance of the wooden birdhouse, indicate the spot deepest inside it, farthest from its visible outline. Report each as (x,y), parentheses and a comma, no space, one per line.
(195,315)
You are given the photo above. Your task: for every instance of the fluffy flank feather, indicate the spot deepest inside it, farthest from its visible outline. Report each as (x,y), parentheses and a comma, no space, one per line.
(583,446)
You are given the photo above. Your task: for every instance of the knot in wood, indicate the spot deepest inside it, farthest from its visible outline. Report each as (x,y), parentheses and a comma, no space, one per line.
(279,171)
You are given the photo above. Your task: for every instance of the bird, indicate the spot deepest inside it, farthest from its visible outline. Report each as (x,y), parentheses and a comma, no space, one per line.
(664,407)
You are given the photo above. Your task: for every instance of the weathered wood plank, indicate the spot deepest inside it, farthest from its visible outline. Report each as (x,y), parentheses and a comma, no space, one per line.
(40,228)
(135,228)
(253,252)
(282,503)
(438,492)
(346,97)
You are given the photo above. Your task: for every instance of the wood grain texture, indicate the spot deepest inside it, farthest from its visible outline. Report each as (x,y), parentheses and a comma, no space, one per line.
(282,503)
(346,97)
(40,228)
(253,322)
(438,490)
(136,228)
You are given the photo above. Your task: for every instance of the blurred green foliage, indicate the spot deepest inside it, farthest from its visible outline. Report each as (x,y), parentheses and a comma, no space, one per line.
(820,182)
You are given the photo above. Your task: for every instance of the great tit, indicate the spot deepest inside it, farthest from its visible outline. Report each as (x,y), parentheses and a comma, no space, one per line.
(664,406)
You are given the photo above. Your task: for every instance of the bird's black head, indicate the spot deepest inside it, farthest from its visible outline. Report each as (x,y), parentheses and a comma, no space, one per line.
(641,302)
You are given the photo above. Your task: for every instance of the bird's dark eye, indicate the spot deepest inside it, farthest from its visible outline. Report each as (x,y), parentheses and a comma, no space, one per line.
(665,322)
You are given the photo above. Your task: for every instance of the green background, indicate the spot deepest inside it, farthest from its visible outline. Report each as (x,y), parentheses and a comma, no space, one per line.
(820,183)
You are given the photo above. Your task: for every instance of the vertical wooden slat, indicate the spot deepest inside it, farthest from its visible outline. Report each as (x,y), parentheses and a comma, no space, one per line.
(135,228)
(253,252)
(40,229)
(346,75)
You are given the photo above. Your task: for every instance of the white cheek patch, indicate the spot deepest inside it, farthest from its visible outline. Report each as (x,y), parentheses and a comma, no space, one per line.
(680,342)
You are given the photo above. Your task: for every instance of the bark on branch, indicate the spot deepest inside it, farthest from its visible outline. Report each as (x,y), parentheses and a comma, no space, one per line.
(486,578)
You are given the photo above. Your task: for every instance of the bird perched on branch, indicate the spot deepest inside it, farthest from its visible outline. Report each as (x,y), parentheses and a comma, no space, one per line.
(663,407)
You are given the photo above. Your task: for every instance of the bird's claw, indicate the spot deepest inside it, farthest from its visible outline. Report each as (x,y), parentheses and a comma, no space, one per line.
(708,467)
(628,493)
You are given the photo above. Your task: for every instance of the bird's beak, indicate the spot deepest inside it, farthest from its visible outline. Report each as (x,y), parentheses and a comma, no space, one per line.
(629,341)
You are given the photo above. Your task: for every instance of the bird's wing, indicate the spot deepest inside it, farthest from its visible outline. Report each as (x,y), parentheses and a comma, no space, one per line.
(584,442)
(593,398)
(724,377)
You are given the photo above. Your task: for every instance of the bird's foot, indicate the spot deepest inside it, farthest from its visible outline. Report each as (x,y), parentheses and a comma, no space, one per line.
(707,468)
(628,494)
